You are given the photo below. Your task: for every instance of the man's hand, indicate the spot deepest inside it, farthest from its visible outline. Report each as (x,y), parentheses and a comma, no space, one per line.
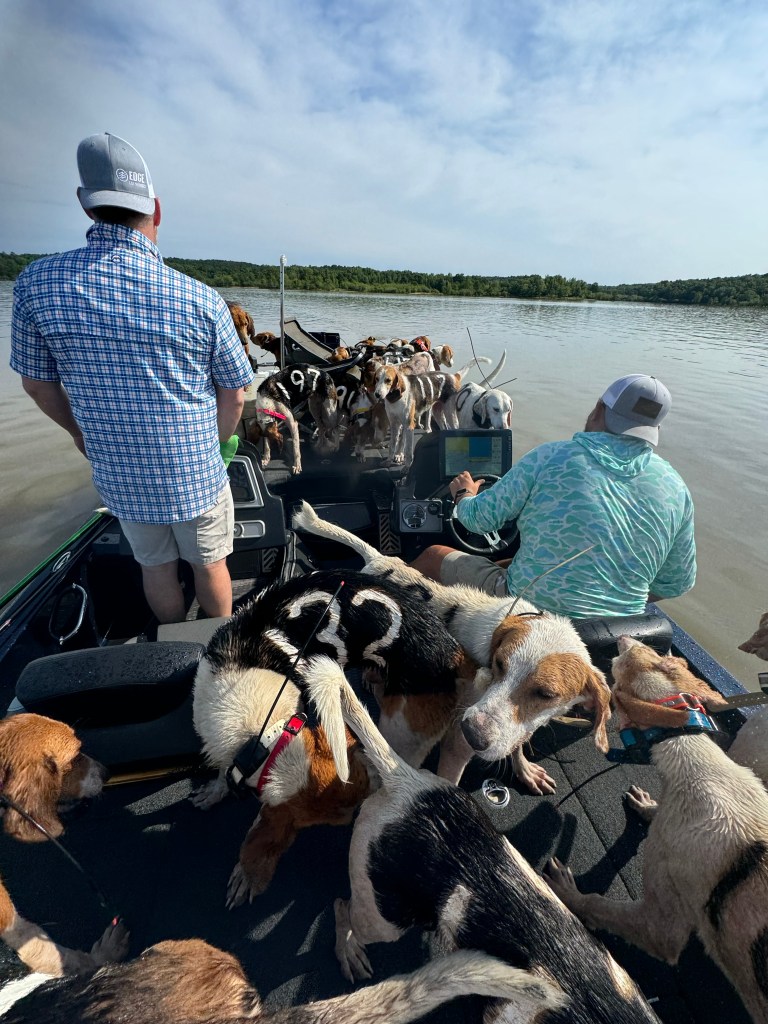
(465,484)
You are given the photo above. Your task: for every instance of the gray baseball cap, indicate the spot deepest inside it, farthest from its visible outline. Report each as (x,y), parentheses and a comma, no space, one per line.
(113,173)
(636,405)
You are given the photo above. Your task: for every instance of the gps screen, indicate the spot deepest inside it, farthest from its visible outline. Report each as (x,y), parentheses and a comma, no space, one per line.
(479,454)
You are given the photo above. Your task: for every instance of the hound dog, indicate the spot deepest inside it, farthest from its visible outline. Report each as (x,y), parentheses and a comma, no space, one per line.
(190,982)
(243,322)
(409,398)
(486,407)
(423,854)
(269,342)
(265,424)
(416,669)
(705,863)
(303,383)
(433,359)
(41,772)
(536,665)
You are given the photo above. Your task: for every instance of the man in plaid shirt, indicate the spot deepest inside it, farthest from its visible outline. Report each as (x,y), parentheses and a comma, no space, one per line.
(143,367)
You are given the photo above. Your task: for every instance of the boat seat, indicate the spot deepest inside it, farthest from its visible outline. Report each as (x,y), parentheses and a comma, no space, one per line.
(601,634)
(131,704)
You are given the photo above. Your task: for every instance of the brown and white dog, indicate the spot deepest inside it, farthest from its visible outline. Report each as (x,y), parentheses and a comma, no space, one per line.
(267,423)
(433,359)
(301,383)
(424,854)
(536,665)
(191,982)
(705,862)
(269,342)
(416,669)
(43,771)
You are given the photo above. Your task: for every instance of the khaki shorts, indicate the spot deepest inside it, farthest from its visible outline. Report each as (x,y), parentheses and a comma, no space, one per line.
(200,541)
(474,571)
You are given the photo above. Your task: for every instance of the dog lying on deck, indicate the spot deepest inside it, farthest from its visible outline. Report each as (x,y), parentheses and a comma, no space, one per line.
(42,770)
(537,666)
(190,982)
(705,863)
(416,669)
(423,854)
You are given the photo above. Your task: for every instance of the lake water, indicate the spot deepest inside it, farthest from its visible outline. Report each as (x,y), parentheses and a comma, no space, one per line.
(714,361)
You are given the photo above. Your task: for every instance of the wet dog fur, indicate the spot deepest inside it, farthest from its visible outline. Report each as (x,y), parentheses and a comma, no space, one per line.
(424,855)
(191,982)
(537,667)
(705,861)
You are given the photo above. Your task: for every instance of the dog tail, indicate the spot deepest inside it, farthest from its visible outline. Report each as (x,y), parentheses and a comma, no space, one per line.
(495,373)
(383,758)
(465,972)
(308,520)
(324,679)
(461,374)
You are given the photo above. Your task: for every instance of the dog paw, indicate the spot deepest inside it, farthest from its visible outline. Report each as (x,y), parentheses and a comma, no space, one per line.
(209,794)
(353,960)
(641,802)
(112,946)
(536,780)
(242,887)
(296,468)
(559,878)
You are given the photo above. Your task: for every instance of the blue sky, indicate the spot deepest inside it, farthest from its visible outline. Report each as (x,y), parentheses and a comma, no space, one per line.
(610,141)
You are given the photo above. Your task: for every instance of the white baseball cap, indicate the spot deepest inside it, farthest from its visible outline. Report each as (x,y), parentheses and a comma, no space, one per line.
(113,173)
(635,405)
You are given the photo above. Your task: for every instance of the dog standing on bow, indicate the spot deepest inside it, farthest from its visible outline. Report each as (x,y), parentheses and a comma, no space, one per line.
(481,406)
(266,423)
(705,862)
(302,383)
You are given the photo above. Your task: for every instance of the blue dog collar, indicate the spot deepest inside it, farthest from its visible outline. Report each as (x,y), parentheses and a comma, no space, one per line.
(638,742)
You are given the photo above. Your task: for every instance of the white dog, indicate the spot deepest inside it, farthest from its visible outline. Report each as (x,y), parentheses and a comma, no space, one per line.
(485,407)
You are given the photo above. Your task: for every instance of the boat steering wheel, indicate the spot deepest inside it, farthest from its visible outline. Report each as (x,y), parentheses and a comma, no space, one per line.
(485,544)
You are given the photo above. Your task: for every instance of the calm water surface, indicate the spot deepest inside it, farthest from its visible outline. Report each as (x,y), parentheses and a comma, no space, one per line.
(714,361)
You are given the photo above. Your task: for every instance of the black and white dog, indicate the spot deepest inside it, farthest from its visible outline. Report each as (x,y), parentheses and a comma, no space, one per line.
(302,383)
(423,854)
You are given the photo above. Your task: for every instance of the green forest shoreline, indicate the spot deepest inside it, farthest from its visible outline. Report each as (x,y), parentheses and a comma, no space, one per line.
(748,290)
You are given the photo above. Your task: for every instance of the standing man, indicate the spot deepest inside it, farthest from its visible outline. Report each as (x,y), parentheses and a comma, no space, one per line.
(143,367)
(605,496)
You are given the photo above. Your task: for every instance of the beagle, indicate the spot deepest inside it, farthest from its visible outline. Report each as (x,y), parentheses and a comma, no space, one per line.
(424,854)
(42,771)
(536,665)
(416,669)
(705,863)
(265,422)
(303,383)
(191,982)
(406,399)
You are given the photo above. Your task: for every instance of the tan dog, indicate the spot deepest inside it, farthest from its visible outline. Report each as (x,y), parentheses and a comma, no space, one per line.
(190,982)
(758,642)
(339,355)
(705,865)
(41,769)
(269,342)
(243,322)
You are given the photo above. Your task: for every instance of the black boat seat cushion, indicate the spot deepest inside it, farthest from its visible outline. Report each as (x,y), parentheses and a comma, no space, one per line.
(111,685)
(600,635)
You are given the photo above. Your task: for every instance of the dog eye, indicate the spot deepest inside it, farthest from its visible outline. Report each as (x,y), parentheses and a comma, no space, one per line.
(498,665)
(544,694)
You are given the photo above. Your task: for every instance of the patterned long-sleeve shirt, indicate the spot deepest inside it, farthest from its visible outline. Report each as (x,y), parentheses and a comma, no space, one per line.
(598,489)
(139,349)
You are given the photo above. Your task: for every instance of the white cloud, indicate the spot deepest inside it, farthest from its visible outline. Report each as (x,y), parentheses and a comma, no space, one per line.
(610,142)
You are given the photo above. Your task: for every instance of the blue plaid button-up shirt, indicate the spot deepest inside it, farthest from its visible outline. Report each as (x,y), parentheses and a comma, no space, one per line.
(139,349)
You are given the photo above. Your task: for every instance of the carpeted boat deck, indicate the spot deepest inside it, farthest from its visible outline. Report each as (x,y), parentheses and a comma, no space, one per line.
(164,866)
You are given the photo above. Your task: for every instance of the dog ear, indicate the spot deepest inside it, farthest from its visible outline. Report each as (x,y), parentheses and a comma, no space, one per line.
(598,699)
(35,785)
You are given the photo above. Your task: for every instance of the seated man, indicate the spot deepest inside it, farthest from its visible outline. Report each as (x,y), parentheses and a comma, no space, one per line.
(605,496)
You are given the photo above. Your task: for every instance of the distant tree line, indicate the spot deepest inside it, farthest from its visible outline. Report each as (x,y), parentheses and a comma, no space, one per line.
(748,290)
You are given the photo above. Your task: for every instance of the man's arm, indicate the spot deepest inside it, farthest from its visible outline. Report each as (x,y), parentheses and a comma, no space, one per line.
(229,409)
(678,574)
(51,398)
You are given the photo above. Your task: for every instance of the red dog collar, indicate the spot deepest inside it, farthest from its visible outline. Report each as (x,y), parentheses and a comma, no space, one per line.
(682,702)
(273,413)
(292,728)
(420,343)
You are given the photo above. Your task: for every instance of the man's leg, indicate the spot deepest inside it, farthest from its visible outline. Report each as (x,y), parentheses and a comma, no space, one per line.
(213,587)
(163,591)
(430,560)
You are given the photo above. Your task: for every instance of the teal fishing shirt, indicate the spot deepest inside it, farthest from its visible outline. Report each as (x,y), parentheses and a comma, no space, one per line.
(606,490)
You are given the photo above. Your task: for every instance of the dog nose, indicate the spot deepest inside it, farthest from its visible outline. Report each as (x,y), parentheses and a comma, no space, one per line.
(625,642)
(474,732)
